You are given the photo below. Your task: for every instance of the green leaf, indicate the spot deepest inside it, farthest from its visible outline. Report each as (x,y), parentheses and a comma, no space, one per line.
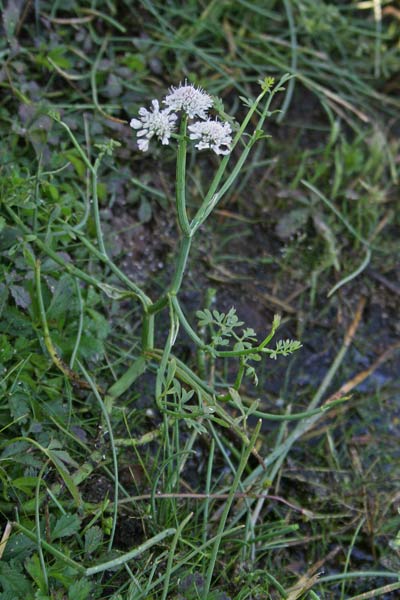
(28,254)
(267,83)
(62,457)
(285,347)
(170,373)
(6,350)
(251,372)
(90,348)
(79,165)
(57,55)
(93,539)
(65,526)
(51,191)
(63,298)
(66,477)
(20,295)
(11,15)
(135,62)
(79,590)
(204,317)
(145,212)
(25,484)
(101,191)
(3,297)
(34,568)
(18,548)
(13,580)
(8,237)
(99,324)
(19,405)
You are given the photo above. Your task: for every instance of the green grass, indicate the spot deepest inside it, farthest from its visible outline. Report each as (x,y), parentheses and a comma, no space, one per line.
(130,470)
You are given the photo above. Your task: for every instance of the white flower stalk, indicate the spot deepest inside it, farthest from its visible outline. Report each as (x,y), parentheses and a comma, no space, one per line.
(212,134)
(193,101)
(153,122)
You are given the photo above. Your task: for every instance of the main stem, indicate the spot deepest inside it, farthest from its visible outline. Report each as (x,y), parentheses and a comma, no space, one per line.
(184,245)
(183,255)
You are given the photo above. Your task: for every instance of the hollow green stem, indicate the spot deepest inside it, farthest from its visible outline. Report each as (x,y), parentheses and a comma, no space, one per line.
(245,352)
(185,324)
(181,179)
(121,560)
(157,306)
(198,219)
(275,324)
(300,415)
(183,371)
(75,143)
(212,197)
(240,375)
(160,379)
(237,168)
(181,262)
(186,375)
(147,332)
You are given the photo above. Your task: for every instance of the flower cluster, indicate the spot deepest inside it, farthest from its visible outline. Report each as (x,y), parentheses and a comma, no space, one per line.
(212,134)
(196,103)
(153,122)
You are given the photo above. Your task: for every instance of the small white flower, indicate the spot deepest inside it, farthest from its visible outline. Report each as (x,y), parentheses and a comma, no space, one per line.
(212,134)
(151,123)
(194,101)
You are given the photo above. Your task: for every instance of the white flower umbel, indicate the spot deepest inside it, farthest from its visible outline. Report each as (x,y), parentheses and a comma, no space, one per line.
(212,134)
(153,122)
(194,101)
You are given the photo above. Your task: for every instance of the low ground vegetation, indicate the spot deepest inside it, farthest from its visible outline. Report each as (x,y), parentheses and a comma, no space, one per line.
(199,334)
